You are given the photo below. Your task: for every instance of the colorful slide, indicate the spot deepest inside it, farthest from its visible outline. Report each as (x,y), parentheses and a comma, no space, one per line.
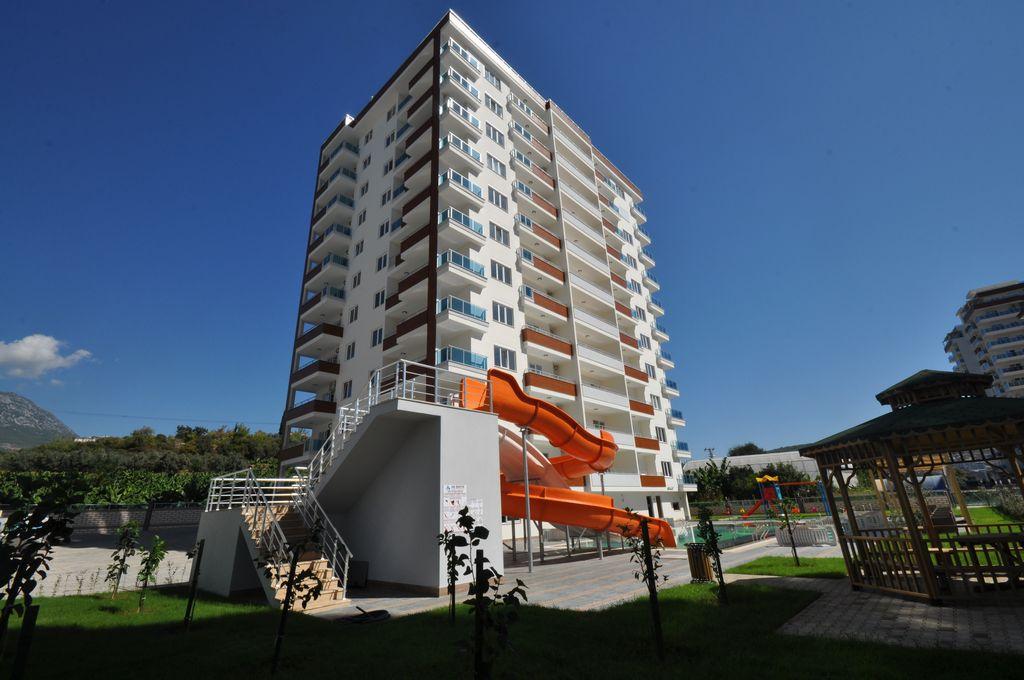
(585,453)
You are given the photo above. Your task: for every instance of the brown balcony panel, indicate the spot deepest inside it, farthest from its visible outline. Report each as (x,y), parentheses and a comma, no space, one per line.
(419,102)
(538,338)
(316,367)
(413,202)
(647,443)
(418,236)
(309,304)
(543,176)
(545,205)
(614,253)
(416,166)
(641,407)
(419,131)
(412,323)
(604,200)
(546,235)
(629,340)
(314,243)
(652,481)
(636,373)
(608,225)
(619,280)
(549,269)
(414,278)
(314,406)
(615,170)
(391,301)
(321,189)
(293,451)
(540,147)
(318,215)
(623,309)
(548,383)
(390,342)
(550,305)
(323,164)
(321,329)
(419,74)
(313,271)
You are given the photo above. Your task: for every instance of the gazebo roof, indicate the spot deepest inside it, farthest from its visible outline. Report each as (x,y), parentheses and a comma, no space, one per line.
(928,401)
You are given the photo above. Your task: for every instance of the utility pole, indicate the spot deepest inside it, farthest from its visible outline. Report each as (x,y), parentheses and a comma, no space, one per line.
(710,450)
(526,497)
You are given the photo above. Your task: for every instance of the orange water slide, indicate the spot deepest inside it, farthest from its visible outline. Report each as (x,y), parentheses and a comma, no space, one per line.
(585,453)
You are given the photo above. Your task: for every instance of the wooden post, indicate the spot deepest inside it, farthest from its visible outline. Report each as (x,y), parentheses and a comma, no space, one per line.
(826,480)
(652,588)
(954,486)
(28,628)
(927,573)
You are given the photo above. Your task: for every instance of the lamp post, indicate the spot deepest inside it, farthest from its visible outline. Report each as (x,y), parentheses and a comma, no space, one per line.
(526,497)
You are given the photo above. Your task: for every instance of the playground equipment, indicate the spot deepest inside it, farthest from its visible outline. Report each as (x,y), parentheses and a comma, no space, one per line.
(771,493)
(584,452)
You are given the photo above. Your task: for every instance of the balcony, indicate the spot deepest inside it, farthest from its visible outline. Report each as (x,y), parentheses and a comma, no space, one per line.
(641,407)
(579,199)
(606,396)
(338,209)
(455,269)
(660,333)
(537,302)
(638,214)
(548,383)
(315,376)
(650,281)
(665,359)
(464,56)
(328,301)
(636,374)
(332,269)
(582,156)
(646,257)
(686,482)
(525,112)
(648,443)
(446,356)
(340,173)
(671,388)
(319,341)
(588,182)
(653,481)
(459,191)
(334,238)
(461,120)
(538,237)
(459,154)
(604,296)
(600,358)
(454,83)
(539,264)
(607,327)
(676,418)
(657,309)
(600,264)
(310,412)
(644,234)
(456,314)
(528,199)
(545,342)
(592,233)
(464,230)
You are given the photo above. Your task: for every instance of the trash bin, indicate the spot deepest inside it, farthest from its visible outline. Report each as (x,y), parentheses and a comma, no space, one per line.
(700,564)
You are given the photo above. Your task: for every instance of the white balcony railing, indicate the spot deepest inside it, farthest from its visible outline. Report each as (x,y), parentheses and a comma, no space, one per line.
(599,263)
(600,357)
(606,395)
(597,322)
(594,290)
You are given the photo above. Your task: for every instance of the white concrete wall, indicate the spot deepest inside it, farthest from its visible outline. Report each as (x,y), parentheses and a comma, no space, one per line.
(226,566)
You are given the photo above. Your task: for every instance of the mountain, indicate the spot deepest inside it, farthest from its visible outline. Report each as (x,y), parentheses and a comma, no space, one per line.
(23,424)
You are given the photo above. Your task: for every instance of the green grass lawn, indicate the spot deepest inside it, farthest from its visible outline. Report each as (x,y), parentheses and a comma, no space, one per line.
(982,514)
(814,567)
(92,637)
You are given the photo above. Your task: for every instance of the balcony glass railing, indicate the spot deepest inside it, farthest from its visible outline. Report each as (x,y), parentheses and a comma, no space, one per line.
(1005,341)
(523,189)
(660,328)
(681,446)
(456,143)
(460,218)
(344,146)
(402,130)
(579,198)
(671,384)
(639,211)
(520,104)
(457,259)
(460,306)
(461,111)
(545,331)
(342,199)
(401,159)
(461,356)
(458,49)
(462,181)
(651,276)
(677,414)
(521,159)
(463,82)
(339,228)
(647,253)
(334,259)
(664,355)
(644,231)
(993,313)
(330,292)
(523,132)
(405,100)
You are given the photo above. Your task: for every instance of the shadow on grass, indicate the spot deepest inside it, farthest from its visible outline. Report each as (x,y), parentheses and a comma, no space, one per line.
(79,637)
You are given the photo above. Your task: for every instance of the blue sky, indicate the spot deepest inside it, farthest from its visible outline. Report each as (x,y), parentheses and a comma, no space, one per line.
(824,182)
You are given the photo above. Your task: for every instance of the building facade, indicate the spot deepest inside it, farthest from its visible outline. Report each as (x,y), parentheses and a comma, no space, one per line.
(465,221)
(990,337)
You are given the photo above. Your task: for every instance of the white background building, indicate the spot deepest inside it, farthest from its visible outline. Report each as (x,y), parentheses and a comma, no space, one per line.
(990,337)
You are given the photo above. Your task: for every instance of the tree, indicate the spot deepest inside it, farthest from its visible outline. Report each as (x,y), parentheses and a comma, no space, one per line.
(748,449)
(711,478)
(647,559)
(151,559)
(450,542)
(127,545)
(26,548)
(709,536)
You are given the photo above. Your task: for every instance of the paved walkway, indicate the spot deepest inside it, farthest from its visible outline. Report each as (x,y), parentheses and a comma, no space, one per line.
(860,615)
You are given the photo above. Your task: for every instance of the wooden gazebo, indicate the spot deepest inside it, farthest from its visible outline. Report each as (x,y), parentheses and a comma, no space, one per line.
(894,536)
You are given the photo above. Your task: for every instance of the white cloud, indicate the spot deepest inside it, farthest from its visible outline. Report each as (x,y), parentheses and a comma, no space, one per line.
(34,355)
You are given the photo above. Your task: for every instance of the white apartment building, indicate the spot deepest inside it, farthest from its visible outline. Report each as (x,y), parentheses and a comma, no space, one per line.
(990,337)
(463,220)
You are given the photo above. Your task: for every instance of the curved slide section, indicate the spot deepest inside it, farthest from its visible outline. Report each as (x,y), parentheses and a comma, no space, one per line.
(550,498)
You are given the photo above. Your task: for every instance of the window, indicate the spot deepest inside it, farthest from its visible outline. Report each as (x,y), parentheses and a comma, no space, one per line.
(346,389)
(376,337)
(633,285)
(666,468)
(502,314)
(389,166)
(368,137)
(630,260)
(639,313)
(382,229)
(385,197)
(353,314)
(350,351)
(495,106)
(501,272)
(366,162)
(496,135)
(656,401)
(505,358)
(492,79)
(650,370)
(363,189)
(362,218)
(391,113)
(382,261)
(378,298)
(498,199)
(598,425)
(359,249)
(644,342)
(496,166)
(387,140)
(659,433)
(498,234)
(357,279)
